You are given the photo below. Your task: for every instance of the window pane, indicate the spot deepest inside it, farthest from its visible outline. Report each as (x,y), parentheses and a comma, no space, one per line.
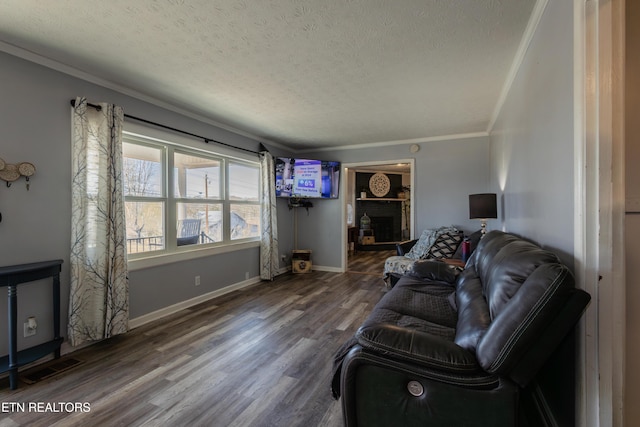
(245,221)
(142,170)
(244,181)
(196,177)
(145,231)
(199,223)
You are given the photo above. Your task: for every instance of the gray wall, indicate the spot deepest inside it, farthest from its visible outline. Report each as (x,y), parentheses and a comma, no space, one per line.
(532,142)
(446,173)
(35,127)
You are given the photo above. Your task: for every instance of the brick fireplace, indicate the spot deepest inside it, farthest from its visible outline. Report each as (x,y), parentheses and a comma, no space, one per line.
(386,219)
(383,229)
(385,212)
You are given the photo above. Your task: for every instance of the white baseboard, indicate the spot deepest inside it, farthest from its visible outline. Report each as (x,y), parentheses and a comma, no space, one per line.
(158,314)
(329,269)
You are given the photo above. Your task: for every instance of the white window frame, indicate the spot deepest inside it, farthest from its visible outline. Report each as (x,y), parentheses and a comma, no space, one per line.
(171,143)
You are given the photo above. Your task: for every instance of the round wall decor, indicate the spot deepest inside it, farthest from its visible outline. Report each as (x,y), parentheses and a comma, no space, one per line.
(379,184)
(9,173)
(26,169)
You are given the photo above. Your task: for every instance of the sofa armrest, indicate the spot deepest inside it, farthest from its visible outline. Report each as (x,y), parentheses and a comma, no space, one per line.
(404,247)
(375,392)
(417,347)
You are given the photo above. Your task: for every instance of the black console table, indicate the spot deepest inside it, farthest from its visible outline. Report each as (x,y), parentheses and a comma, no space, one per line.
(11,277)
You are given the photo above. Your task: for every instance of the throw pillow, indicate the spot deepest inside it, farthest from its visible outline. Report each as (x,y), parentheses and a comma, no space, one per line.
(423,244)
(445,245)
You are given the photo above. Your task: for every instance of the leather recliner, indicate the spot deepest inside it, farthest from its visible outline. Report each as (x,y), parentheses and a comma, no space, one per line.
(441,349)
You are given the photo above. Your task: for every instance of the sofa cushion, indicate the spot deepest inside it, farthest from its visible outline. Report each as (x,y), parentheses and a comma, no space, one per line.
(412,302)
(525,318)
(415,346)
(504,264)
(433,270)
(473,313)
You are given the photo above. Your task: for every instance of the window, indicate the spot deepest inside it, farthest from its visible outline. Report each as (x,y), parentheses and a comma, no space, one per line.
(145,199)
(244,201)
(179,198)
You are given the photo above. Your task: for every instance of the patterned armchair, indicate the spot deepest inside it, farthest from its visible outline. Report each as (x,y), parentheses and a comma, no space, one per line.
(433,244)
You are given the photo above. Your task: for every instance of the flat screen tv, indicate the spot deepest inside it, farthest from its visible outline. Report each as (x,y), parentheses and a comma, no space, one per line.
(307,178)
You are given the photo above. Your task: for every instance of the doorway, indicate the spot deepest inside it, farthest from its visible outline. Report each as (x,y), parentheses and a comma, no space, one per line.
(380,190)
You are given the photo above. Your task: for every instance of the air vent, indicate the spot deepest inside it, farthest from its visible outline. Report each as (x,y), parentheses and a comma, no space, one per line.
(56,367)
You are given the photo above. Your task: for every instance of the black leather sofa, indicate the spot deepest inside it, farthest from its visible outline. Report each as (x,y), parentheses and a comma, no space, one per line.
(488,346)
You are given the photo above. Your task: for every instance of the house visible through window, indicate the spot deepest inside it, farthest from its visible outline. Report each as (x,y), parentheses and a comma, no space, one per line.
(179,198)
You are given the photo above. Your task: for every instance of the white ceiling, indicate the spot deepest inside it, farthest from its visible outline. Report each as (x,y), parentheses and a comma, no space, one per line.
(304,73)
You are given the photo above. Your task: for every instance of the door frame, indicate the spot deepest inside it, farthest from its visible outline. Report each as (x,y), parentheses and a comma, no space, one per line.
(344,190)
(599,207)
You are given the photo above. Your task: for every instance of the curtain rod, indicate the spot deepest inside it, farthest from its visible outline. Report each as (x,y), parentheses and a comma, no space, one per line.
(206,140)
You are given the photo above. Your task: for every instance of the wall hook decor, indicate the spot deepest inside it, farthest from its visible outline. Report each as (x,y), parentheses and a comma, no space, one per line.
(10,172)
(26,169)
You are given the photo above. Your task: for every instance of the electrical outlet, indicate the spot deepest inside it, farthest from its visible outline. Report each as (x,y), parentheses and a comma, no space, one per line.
(246,275)
(283,257)
(28,332)
(197,280)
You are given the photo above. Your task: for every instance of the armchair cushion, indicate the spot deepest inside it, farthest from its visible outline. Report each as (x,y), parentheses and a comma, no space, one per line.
(191,240)
(433,243)
(397,265)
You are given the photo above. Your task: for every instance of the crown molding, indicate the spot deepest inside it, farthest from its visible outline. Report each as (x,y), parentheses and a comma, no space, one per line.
(398,142)
(82,75)
(527,37)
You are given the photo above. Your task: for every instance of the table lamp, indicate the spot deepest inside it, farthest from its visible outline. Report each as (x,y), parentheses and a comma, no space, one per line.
(483,206)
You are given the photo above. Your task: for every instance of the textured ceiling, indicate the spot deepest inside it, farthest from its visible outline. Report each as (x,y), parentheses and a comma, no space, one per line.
(305,73)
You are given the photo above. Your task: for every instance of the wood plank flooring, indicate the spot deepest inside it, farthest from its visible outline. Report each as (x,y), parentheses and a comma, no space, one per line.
(260,356)
(371,262)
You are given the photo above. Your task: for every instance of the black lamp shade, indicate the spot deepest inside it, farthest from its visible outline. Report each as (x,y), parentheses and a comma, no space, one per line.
(483,206)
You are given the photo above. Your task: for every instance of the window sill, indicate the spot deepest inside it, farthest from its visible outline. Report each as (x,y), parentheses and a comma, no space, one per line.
(163,259)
